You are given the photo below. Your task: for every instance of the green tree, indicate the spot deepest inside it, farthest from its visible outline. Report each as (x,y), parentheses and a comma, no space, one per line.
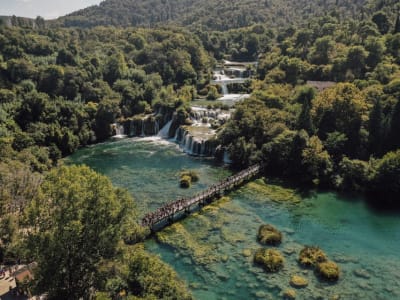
(75,223)
(376,129)
(356,60)
(382,21)
(341,108)
(115,68)
(304,121)
(394,140)
(376,50)
(316,160)
(386,182)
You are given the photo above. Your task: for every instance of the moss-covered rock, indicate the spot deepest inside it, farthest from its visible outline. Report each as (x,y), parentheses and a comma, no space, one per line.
(187,177)
(185,181)
(328,270)
(269,235)
(270,259)
(298,281)
(310,256)
(289,294)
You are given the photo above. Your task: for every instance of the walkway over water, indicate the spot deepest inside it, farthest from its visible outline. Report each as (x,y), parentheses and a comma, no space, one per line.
(169,210)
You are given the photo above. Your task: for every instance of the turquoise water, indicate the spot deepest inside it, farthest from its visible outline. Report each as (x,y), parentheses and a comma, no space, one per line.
(207,249)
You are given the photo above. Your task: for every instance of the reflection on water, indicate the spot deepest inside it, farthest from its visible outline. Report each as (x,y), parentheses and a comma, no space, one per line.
(212,250)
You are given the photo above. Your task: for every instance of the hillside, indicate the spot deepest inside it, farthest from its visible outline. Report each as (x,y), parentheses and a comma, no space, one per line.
(210,14)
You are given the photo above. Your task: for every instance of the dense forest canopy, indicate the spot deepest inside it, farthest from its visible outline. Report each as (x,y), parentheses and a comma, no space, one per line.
(64,83)
(209,14)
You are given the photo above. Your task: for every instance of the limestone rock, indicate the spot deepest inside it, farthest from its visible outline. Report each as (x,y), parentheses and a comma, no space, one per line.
(298,281)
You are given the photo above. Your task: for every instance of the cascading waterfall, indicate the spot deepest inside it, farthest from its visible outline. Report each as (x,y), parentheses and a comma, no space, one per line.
(224,89)
(142,134)
(119,130)
(164,132)
(197,139)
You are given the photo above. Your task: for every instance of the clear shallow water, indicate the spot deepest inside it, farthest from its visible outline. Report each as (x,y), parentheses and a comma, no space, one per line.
(207,249)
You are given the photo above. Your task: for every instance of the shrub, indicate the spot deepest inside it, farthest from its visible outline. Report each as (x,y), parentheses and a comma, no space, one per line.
(185,181)
(311,255)
(268,234)
(271,260)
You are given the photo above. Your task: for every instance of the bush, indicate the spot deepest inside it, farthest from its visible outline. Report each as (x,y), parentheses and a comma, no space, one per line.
(328,270)
(310,256)
(185,181)
(187,177)
(271,260)
(268,234)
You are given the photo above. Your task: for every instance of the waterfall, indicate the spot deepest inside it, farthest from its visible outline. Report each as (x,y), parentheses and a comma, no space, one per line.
(224,89)
(226,158)
(164,132)
(156,127)
(142,133)
(119,130)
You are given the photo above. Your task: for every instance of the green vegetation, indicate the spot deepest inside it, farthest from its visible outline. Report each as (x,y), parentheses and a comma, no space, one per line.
(310,256)
(210,14)
(270,259)
(324,111)
(328,271)
(340,134)
(269,235)
(187,177)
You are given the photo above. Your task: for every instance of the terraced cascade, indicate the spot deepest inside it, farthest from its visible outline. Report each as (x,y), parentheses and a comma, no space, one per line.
(213,249)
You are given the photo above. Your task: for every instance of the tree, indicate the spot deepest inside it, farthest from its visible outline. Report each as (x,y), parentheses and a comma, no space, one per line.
(376,50)
(375,128)
(356,60)
(304,121)
(322,49)
(340,108)
(115,68)
(397,24)
(316,160)
(51,79)
(394,134)
(382,21)
(105,116)
(75,223)
(386,182)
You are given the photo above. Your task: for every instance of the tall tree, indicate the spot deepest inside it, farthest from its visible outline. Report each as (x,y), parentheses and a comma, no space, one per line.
(376,137)
(75,224)
(304,121)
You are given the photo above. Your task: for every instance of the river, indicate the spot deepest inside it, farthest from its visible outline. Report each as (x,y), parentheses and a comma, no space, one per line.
(212,249)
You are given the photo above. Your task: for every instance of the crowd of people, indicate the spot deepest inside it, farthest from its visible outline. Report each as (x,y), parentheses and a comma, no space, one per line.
(169,209)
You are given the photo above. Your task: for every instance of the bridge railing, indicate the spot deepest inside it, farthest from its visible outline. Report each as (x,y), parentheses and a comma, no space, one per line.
(168,210)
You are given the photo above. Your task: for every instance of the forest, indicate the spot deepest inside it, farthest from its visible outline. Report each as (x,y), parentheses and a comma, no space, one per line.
(63,83)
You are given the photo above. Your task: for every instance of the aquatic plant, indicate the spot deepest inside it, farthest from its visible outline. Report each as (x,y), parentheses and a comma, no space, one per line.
(270,259)
(328,270)
(268,234)
(311,255)
(187,177)
(185,181)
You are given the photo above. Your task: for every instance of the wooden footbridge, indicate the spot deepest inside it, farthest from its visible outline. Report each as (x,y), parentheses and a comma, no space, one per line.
(166,214)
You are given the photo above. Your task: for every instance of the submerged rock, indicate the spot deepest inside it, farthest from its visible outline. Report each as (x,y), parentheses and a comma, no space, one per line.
(269,235)
(246,252)
(271,260)
(328,270)
(311,255)
(298,281)
(289,294)
(362,273)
